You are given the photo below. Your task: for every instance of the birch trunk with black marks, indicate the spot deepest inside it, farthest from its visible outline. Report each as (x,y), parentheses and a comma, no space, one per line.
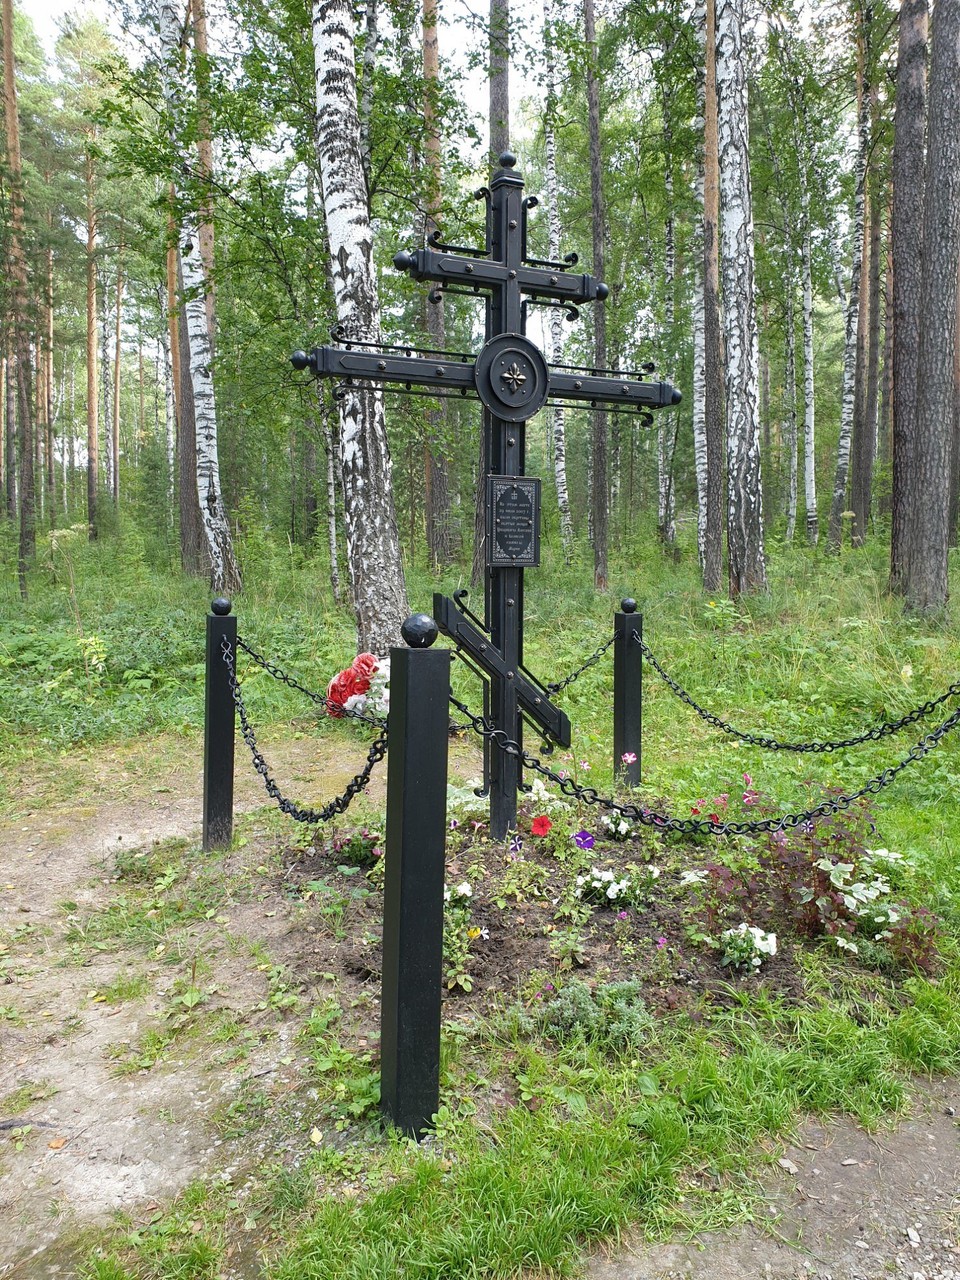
(599,505)
(667,425)
(169,414)
(747,571)
(558,425)
(373,546)
(865,442)
(713,408)
(906,234)
(224,571)
(838,503)
(698,399)
(926,583)
(809,407)
(790,415)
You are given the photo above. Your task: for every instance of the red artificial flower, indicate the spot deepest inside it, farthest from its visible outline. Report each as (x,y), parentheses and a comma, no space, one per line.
(540,825)
(341,687)
(364,665)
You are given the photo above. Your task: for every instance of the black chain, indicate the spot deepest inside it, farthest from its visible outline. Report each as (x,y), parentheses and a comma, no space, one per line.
(691,826)
(871,735)
(319,698)
(594,658)
(339,804)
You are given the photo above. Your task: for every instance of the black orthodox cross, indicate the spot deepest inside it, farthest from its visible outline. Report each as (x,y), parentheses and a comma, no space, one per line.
(513,381)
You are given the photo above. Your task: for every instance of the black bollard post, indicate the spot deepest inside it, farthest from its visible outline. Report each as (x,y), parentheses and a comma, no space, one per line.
(413,886)
(627,692)
(218,730)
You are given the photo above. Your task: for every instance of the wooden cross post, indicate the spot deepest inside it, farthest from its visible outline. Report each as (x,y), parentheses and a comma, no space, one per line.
(513,381)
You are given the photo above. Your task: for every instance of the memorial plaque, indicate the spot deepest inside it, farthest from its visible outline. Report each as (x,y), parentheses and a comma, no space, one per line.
(513,522)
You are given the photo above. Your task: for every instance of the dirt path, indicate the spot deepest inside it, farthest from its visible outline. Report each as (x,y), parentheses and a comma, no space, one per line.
(88,1127)
(843,1205)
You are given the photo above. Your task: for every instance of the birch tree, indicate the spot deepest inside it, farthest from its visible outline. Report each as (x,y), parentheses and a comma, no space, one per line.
(373,547)
(851,344)
(600,503)
(707,370)
(747,571)
(224,570)
(558,425)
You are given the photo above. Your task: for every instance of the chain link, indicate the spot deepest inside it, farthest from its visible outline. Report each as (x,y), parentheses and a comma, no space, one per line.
(771,744)
(339,804)
(320,699)
(690,826)
(594,658)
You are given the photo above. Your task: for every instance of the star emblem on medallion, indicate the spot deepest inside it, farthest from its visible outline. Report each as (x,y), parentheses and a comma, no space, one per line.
(513,377)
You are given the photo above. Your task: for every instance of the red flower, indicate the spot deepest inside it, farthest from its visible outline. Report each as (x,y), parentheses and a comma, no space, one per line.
(346,684)
(540,825)
(343,686)
(364,665)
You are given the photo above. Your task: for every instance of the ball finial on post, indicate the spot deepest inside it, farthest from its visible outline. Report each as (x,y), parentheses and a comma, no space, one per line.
(628,605)
(221,606)
(419,631)
(507,160)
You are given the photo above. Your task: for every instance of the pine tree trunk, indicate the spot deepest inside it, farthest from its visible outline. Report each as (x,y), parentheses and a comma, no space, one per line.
(747,572)
(439,540)
(599,505)
(926,579)
(499,117)
(93,403)
(851,350)
(373,548)
(558,424)
(17,294)
(115,416)
(906,234)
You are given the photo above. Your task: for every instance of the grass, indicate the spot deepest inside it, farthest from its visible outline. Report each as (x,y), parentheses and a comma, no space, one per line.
(662,1128)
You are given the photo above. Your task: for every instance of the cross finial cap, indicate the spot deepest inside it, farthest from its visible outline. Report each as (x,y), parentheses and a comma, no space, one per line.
(419,631)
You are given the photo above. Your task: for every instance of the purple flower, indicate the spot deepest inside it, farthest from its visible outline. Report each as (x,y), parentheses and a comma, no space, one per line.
(516,844)
(584,840)
(454,823)
(622,915)
(661,943)
(629,757)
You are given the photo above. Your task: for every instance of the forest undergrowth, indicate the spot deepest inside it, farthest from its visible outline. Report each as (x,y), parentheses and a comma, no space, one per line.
(631,1018)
